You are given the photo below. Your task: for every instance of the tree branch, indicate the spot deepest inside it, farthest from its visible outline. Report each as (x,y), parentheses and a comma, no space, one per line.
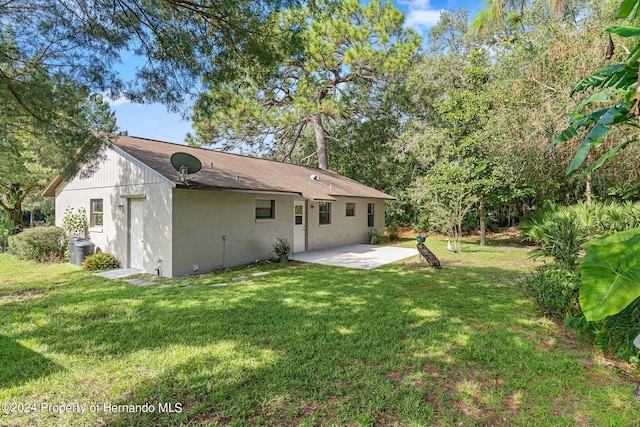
(295,140)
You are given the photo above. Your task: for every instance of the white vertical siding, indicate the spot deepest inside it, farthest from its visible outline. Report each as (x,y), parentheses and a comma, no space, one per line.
(113,171)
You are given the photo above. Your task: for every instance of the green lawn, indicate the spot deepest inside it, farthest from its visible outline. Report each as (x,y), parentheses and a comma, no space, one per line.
(305,345)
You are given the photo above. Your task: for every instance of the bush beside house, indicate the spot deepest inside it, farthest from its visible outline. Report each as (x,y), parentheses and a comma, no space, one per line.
(42,244)
(100,261)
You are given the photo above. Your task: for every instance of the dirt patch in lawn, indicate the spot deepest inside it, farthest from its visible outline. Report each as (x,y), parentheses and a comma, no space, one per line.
(20,297)
(211,418)
(384,419)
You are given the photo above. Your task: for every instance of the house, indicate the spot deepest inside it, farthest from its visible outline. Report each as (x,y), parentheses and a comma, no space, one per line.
(230,212)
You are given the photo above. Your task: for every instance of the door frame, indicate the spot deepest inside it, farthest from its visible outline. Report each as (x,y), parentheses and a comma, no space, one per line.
(130,201)
(303,242)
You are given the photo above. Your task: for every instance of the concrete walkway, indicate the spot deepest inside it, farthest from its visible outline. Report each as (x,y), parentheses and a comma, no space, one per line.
(119,273)
(365,257)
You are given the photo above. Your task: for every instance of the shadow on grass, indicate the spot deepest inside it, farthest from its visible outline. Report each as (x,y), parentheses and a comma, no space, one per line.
(333,340)
(114,318)
(21,364)
(340,345)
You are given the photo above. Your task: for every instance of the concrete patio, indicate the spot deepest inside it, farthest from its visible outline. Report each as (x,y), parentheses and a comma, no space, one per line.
(365,257)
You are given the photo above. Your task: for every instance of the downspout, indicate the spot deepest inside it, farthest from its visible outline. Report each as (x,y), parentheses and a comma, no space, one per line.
(224,250)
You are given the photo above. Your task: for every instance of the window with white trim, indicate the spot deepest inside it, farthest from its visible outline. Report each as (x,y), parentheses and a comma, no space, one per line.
(97,213)
(265,209)
(370,214)
(324,211)
(351,209)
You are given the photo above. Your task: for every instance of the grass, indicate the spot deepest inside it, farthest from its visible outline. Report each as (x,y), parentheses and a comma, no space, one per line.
(302,345)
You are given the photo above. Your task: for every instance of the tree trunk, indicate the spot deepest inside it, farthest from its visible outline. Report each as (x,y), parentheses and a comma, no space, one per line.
(526,206)
(15,196)
(15,215)
(483,224)
(588,192)
(429,256)
(321,141)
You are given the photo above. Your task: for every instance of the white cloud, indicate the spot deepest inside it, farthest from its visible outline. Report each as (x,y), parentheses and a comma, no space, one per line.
(416,4)
(113,103)
(422,18)
(420,14)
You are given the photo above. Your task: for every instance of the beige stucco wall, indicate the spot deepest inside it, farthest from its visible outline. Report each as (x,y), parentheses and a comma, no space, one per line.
(214,229)
(115,180)
(343,230)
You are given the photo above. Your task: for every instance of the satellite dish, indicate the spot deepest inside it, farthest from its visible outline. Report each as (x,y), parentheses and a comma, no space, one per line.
(186,164)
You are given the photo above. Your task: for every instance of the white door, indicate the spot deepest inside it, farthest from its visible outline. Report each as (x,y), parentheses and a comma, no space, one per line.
(299,227)
(136,236)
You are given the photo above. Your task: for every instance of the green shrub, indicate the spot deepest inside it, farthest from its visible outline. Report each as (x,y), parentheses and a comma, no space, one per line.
(560,237)
(613,335)
(633,212)
(100,261)
(7,228)
(376,238)
(282,247)
(555,289)
(75,224)
(561,231)
(393,232)
(592,220)
(43,244)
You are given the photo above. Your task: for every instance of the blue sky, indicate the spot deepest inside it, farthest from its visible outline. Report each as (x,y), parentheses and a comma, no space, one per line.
(154,122)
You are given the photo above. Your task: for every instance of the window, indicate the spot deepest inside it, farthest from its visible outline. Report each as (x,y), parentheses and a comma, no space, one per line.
(298,213)
(97,210)
(324,209)
(370,214)
(351,209)
(265,209)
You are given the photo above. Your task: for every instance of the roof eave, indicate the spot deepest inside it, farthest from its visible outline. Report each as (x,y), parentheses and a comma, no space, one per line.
(384,197)
(50,190)
(198,186)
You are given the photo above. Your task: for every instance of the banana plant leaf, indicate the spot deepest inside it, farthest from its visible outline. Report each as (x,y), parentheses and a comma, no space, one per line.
(614,76)
(594,138)
(623,30)
(628,7)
